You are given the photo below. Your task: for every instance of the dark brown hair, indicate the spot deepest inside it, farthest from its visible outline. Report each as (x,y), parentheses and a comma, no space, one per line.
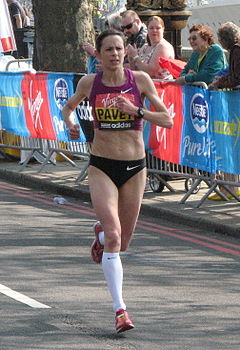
(105,34)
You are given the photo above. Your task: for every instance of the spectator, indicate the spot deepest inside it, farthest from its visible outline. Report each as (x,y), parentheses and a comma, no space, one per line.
(134,29)
(147,57)
(206,60)
(17,14)
(113,22)
(28,16)
(229,37)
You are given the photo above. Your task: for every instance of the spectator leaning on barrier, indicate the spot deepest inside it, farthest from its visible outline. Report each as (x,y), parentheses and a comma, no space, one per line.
(147,57)
(229,37)
(206,60)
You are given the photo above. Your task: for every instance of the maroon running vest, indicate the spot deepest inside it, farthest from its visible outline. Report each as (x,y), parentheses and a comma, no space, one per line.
(103,101)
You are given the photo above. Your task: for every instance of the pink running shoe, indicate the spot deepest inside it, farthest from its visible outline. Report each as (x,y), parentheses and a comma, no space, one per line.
(97,247)
(123,322)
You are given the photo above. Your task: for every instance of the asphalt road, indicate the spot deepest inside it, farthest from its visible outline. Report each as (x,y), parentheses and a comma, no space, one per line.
(181,285)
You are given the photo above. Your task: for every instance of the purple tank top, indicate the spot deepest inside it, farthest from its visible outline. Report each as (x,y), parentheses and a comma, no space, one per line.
(103,98)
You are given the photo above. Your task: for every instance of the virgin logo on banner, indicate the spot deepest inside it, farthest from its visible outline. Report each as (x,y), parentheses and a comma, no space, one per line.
(165,143)
(7,40)
(36,106)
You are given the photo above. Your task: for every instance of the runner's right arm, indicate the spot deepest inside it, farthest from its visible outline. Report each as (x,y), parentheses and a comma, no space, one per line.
(82,91)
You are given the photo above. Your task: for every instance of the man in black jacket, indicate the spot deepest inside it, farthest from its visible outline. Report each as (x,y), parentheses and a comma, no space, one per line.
(134,29)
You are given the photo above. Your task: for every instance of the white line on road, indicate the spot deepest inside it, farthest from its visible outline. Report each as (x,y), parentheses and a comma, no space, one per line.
(22,298)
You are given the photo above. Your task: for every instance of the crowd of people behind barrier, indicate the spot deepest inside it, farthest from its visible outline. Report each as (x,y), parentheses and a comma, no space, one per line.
(146,46)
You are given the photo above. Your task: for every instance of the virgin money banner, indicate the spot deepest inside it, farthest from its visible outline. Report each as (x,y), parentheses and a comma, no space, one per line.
(31,104)
(225,109)
(7,40)
(165,143)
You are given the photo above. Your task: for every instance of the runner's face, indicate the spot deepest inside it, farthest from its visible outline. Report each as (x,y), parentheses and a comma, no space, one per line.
(112,51)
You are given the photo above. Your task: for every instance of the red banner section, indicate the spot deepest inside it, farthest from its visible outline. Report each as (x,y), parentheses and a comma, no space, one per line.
(7,44)
(165,143)
(36,106)
(7,39)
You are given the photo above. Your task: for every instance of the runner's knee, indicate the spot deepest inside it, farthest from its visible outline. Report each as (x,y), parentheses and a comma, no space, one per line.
(113,240)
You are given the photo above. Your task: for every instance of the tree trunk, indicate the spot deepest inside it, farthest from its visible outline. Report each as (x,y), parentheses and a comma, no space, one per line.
(61,26)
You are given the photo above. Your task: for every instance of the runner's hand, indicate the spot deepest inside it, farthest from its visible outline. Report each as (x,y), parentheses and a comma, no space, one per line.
(126,106)
(74,131)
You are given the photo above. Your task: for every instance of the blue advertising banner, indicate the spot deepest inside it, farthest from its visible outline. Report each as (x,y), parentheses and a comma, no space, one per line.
(146,128)
(31,104)
(225,110)
(12,116)
(60,89)
(205,134)
(198,149)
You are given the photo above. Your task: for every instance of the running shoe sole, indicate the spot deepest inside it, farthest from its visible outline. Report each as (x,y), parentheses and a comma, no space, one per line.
(96,247)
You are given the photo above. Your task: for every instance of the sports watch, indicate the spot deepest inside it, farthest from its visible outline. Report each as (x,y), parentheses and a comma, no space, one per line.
(140,112)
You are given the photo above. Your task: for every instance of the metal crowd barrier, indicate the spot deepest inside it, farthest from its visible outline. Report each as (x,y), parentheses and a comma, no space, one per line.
(45,150)
(24,143)
(80,150)
(27,64)
(160,171)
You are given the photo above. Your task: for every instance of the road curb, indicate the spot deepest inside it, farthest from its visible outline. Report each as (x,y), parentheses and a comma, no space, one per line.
(44,185)
(81,192)
(185,219)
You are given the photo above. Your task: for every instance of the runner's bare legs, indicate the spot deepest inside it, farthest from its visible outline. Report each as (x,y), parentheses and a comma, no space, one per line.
(117,210)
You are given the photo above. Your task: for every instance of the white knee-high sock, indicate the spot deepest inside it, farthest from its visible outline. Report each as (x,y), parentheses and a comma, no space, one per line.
(113,272)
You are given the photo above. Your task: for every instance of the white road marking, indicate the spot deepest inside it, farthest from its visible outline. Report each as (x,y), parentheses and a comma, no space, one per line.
(22,298)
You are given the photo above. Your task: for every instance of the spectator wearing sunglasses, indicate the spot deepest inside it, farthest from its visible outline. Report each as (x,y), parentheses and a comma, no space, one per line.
(206,60)
(134,29)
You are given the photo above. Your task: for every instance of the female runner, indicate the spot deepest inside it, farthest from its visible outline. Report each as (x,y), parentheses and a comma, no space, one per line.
(117,170)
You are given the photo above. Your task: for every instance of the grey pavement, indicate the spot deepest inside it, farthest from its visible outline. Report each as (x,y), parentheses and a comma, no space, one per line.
(218,216)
